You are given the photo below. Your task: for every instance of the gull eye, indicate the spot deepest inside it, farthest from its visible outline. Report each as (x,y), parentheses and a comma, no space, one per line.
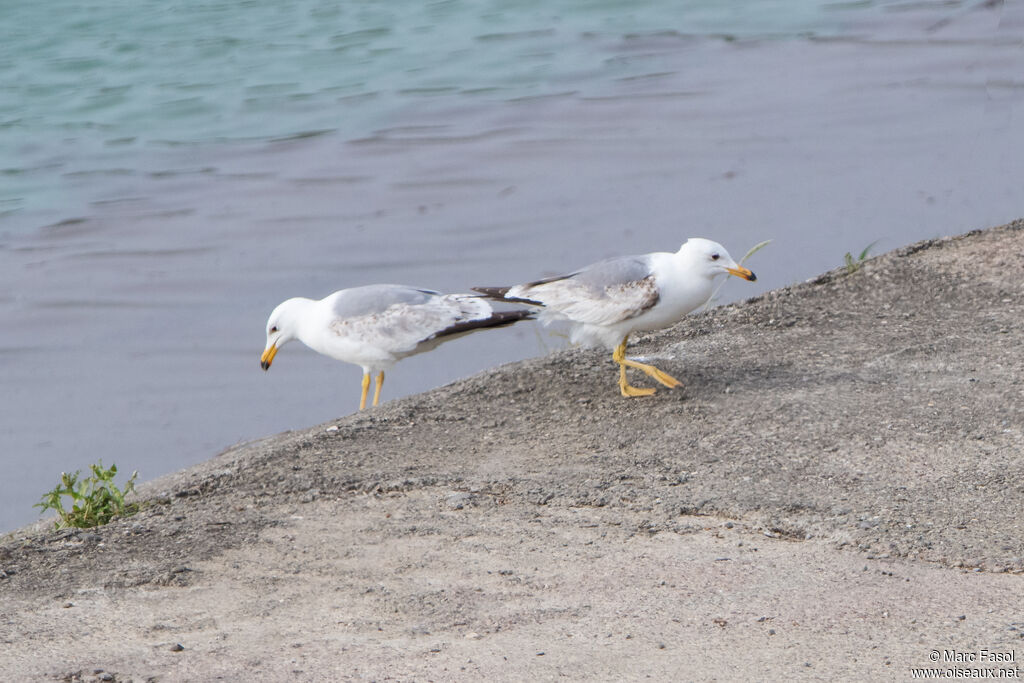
(273,329)
(715,257)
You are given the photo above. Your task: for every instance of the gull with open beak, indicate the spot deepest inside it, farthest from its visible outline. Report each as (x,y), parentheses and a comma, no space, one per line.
(377,325)
(608,300)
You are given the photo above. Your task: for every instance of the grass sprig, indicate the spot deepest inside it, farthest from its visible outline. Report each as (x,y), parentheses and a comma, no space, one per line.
(852,263)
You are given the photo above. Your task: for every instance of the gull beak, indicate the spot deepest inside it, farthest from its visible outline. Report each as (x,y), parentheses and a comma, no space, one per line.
(740,271)
(268,356)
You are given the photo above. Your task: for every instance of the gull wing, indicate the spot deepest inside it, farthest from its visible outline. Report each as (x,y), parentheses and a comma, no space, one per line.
(398,319)
(604,293)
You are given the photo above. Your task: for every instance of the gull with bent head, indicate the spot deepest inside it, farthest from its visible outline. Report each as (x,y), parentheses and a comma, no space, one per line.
(377,325)
(606,301)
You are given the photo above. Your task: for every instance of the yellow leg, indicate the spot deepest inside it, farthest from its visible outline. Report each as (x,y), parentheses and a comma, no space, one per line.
(376,390)
(366,388)
(651,371)
(619,356)
(628,390)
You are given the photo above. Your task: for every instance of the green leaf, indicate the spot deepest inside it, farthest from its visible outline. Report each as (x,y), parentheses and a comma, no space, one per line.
(867,250)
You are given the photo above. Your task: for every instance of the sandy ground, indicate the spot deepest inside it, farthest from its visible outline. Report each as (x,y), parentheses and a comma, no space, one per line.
(837,493)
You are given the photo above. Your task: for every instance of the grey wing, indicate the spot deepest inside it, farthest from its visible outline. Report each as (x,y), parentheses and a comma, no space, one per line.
(618,271)
(400,319)
(371,299)
(604,293)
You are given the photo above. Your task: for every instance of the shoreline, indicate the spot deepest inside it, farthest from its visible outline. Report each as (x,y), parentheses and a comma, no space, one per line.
(835,491)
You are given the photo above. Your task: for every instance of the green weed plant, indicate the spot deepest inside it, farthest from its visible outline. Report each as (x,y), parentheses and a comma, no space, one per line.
(95,500)
(852,263)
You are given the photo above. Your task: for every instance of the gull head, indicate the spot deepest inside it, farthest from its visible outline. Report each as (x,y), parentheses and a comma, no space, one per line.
(282,326)
(711,259)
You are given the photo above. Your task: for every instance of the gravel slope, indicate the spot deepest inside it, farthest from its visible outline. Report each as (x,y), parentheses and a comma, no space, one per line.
(837,490)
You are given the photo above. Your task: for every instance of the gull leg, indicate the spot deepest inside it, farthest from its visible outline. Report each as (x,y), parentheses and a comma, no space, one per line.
(619,356)
(366,388)
(376,389)
(663,377)
(626,389)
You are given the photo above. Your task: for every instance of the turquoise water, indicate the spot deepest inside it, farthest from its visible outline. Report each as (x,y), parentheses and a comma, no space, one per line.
(92,90)
(169,172)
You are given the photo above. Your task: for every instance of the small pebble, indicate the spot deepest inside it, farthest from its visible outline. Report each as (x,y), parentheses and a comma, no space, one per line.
(177,647)
(459,500)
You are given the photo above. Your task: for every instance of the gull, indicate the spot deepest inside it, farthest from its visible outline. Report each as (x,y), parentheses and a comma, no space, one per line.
(375,326)
(606,301)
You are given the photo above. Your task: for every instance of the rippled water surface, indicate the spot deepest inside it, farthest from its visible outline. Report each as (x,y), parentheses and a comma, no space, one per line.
(171,171)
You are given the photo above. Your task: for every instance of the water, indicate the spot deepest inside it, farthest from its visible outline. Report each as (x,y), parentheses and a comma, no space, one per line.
(170,172)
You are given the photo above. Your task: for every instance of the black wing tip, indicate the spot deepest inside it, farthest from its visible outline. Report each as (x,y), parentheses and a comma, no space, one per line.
(508,317)
(497,319)
(495,293)
(501,294)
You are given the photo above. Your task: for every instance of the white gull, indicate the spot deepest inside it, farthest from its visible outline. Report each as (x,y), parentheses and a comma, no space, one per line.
(606,301)
(375,326)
